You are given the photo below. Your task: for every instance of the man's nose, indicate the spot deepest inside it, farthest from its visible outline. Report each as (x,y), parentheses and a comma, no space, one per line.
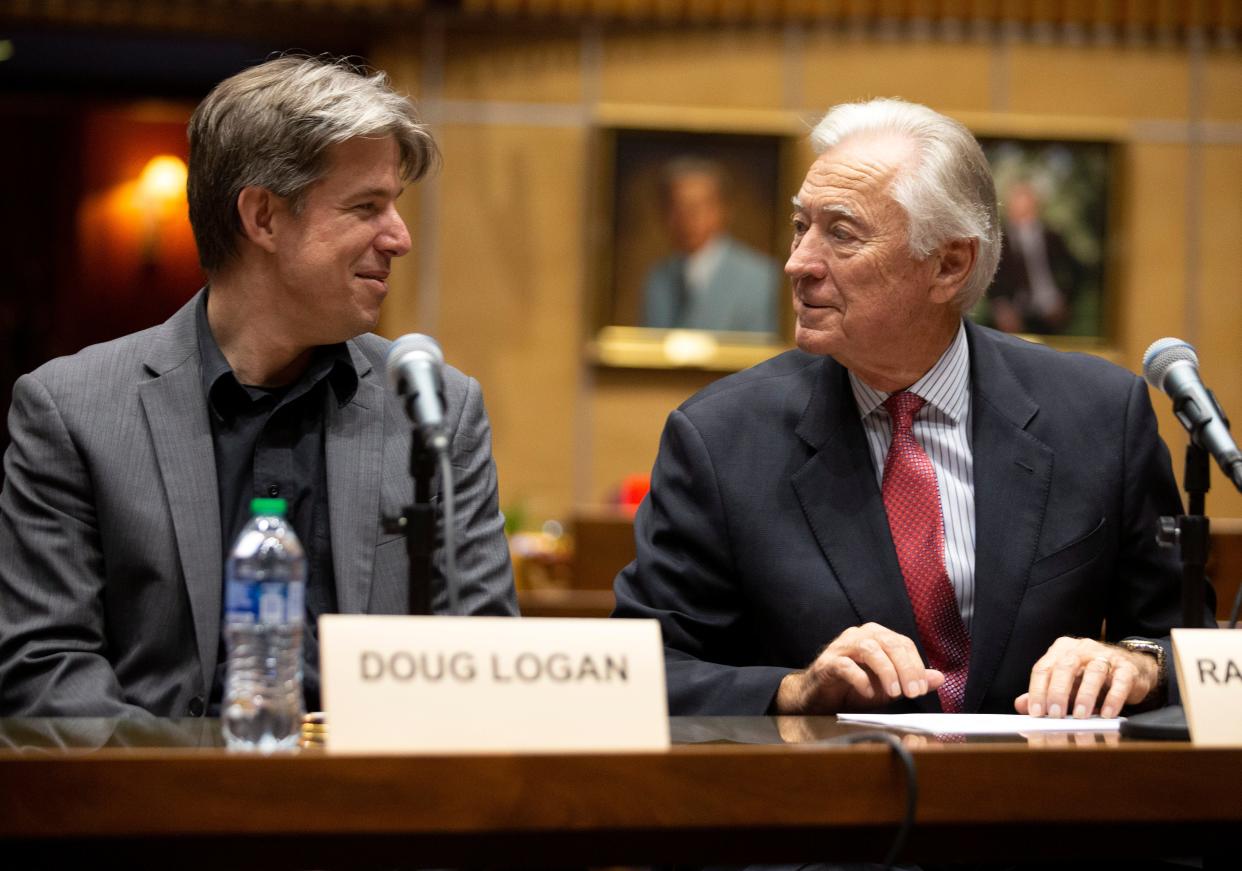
(802,260)
(395,238)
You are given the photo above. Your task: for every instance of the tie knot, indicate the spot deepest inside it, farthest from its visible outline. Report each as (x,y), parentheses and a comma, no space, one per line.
(902,407)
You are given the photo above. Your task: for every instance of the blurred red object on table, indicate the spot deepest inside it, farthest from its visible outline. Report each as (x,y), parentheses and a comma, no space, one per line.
(632,491)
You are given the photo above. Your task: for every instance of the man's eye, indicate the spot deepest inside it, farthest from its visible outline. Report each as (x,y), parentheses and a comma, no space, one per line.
(841,233)
(799,226)
(366,207)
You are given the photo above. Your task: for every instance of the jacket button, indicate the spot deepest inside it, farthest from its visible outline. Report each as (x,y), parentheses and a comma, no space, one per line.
(196,706)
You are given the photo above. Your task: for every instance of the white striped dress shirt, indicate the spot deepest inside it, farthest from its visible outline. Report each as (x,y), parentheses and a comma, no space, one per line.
(942,428)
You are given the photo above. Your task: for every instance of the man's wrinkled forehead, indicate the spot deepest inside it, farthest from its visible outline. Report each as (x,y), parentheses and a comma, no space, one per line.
(860,168)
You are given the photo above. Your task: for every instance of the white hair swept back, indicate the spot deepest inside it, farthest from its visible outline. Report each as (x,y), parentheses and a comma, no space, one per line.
(947,194)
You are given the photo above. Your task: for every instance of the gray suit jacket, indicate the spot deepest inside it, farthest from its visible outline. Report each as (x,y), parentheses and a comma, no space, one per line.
(110,570)
(740,296)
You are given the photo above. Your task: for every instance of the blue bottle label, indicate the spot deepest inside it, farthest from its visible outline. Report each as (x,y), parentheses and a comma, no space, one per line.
(270,602)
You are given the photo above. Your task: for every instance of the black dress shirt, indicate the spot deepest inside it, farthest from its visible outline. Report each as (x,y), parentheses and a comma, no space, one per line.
(269,442)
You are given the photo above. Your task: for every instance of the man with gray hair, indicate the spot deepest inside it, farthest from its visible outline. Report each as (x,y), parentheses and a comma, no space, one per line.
(133,463)
(909,512)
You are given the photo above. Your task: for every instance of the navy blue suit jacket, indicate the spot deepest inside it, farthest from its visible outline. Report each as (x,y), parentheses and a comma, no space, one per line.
(764,536)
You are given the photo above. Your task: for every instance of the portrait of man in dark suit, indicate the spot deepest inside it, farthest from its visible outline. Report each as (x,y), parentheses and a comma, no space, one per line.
(1038,277)
(1052,279)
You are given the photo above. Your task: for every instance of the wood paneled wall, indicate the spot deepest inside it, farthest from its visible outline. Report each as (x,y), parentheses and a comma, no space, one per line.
(501,269)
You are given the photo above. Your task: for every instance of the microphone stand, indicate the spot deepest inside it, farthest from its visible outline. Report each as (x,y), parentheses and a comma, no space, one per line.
(1189,533)
(1192,535)
(418,523)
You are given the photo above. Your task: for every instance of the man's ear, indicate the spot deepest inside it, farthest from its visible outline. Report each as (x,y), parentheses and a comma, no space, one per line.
(256,207)
(954,261)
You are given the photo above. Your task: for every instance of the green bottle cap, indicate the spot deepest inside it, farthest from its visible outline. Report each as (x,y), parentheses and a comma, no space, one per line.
(267,507)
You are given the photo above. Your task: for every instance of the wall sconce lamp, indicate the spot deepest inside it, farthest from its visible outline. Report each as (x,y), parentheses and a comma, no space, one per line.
(160,190)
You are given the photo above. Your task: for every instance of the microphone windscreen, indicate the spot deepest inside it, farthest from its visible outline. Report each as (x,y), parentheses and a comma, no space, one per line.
(411,346)
(1160,357)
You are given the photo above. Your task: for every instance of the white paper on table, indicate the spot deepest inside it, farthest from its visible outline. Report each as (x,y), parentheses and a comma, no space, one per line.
(983,724)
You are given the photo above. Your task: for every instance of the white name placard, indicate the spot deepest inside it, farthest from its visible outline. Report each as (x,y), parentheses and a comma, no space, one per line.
(1209,674)
(464,684)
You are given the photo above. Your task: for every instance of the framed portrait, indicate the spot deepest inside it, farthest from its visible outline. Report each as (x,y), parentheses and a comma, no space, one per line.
(1053,278)
(690,242)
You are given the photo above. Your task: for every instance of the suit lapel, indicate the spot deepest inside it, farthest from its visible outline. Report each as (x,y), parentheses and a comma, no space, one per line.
(176,414)
(354,453)
(1012,474)
(841,501)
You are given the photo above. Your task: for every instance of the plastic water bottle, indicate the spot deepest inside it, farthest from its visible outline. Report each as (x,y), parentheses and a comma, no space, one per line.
(265,582)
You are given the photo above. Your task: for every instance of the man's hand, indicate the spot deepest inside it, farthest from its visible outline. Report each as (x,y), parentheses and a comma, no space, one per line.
(864,668)
(1077,673)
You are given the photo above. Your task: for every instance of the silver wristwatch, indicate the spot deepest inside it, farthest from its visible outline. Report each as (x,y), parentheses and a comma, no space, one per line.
(1155,650)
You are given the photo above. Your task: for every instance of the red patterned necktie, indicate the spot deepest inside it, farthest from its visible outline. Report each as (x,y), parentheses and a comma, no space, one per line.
(912,503)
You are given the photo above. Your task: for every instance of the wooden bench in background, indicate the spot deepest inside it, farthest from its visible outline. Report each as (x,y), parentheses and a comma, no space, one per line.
(604,544)
(1225,563)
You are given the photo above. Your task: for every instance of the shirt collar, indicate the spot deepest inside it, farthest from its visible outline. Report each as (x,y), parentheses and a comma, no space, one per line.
(946,385)
(701,265)
(224,392)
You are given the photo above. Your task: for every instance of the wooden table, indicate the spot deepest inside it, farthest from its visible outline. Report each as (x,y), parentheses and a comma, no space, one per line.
(731,790)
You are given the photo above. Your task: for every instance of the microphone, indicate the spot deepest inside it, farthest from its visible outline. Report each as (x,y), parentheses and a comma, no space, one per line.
(415,364)
(415,367)
(1171,365)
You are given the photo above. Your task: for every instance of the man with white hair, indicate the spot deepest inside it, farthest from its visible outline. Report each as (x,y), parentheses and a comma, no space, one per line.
(909,512)
(133,462)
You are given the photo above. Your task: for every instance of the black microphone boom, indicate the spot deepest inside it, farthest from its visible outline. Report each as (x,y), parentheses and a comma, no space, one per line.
(1172,365)
(415,367)
(415,371)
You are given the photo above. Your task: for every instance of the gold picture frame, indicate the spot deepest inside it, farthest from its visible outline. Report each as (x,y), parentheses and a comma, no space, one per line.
(759,151)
